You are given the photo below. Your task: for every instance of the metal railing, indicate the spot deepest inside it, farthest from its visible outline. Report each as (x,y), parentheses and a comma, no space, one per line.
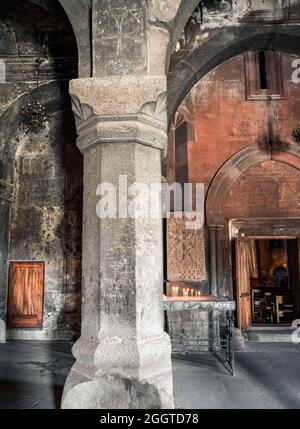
(214,335)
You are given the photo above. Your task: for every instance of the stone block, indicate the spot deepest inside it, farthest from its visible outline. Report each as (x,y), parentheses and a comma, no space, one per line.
(114,96)
(119,37)
(2,332)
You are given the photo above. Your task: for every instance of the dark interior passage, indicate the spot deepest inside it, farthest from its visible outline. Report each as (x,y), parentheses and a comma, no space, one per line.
(275,282)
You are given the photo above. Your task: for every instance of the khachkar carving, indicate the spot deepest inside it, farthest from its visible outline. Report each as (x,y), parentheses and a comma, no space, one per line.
(120,37)
(186,250)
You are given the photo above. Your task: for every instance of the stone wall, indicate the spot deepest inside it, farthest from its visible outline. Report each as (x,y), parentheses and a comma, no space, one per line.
(268,189)
(40,171)
(220,121)
(225,121)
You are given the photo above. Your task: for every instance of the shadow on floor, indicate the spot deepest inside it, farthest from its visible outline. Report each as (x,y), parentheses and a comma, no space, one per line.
(32,374)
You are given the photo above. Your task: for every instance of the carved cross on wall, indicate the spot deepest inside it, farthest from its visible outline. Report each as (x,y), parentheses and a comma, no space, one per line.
(120,37)
(120,34)
(117,21)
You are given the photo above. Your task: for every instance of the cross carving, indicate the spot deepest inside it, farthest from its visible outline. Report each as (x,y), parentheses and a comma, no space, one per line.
(119,18)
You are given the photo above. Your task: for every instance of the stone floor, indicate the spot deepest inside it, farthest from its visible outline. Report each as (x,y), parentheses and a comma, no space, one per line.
(32,375)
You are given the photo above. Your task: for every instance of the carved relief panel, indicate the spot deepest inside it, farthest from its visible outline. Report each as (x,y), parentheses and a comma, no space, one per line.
(119,37)
(185,251)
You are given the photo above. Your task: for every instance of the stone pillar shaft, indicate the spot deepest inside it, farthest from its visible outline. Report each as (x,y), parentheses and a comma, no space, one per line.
(6,191)
(122,343)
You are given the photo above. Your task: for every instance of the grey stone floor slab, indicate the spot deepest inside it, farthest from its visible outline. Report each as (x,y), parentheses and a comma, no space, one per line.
(32,375)
(267,376)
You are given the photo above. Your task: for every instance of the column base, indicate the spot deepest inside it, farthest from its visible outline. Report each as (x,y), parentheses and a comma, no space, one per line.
(113,392)
(108,387)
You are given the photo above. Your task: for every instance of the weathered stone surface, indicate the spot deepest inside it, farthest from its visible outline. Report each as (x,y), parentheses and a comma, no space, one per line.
(79,14)
(2,332)
(33,166)
(120,37)
(42,229)
(123,95)
(115,392)
(239,340)
(20,40)
(158,41)
(122,305)
(131,342)
(163,11)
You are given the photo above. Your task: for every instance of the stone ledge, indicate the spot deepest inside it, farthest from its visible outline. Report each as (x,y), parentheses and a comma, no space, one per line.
(138,128)
(201,304)
(118,95)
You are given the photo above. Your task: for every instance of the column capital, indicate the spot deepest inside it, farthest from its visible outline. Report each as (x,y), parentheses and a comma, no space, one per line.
(120,109)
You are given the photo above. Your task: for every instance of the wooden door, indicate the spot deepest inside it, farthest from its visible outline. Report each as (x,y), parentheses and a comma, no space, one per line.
(25,297)
(243,287)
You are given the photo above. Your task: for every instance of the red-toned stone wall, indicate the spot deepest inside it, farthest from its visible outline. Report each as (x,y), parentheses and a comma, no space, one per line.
(221,122)
(224,122)
(268,189)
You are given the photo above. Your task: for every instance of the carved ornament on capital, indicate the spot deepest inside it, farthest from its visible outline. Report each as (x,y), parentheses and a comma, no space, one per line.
(123,109)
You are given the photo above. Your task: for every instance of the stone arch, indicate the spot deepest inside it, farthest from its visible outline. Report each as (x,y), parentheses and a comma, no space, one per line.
(169,18)
(186,114)
(220,267)
(78,13)
(225,44)
(53,96)
(184,11)
(233,168)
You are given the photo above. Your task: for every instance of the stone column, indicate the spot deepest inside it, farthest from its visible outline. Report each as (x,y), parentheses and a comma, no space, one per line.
(123,359)
(6,191)
(218,282)
(213,288)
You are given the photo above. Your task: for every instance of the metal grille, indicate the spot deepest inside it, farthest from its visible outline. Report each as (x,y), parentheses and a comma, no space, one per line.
(216,335)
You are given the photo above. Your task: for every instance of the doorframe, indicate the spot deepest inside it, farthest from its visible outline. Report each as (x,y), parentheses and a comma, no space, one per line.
(262,229)
(25,261)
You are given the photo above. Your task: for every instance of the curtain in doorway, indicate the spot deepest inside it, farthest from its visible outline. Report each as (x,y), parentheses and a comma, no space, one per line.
(252,259)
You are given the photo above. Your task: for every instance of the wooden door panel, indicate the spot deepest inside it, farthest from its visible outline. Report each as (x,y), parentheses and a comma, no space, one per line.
(243,285)
(26,290)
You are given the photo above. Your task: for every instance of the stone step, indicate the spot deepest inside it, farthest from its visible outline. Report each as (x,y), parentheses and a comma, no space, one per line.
(269,334)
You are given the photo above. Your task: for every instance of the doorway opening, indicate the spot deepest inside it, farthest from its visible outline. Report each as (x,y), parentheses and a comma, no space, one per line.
(267,281)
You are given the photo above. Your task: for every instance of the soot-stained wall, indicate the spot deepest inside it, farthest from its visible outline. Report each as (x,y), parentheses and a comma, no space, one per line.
(40,171)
